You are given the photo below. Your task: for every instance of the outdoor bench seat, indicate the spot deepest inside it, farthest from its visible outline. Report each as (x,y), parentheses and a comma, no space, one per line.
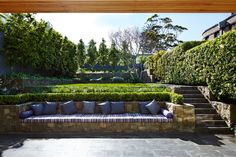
(131,121)
(99,118)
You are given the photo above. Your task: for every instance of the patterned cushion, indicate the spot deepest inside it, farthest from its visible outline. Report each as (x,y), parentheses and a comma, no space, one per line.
(105,107)
(117,107)
(153,107)
(88,107)
(50,108)
(69,107)
(99,118)
(37,109)
(142,107)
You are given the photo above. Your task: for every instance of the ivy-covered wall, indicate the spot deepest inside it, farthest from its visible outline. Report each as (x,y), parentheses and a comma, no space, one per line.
(212,63)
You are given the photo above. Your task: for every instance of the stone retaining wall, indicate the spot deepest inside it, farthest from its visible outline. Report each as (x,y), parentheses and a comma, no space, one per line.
(226,111)
(183,121)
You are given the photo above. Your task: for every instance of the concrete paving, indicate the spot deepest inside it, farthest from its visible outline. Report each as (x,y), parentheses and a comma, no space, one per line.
(182,145)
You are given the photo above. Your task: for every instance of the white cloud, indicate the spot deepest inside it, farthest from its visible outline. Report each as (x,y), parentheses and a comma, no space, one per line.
(84,26)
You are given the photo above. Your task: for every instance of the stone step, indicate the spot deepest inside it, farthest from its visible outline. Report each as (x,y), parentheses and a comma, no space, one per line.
(211,123)
(193,96)
(187,91)
(208,117)
(205,111)
(187,88)
(202,105)
(195,100)
(214,130)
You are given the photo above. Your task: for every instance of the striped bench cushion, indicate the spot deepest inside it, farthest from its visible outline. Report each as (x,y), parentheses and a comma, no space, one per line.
(98,118)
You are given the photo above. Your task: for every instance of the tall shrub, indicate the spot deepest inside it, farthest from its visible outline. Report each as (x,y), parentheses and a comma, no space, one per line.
(35,44)
(212,63)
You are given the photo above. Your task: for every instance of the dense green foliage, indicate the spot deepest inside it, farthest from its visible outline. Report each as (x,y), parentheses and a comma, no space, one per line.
(98,88)
(97,92)
(103,52)
(114,55)
(35,44)
(91,53)
(169,66)
(151,61)
(81,53)
(212,63)
(133,96)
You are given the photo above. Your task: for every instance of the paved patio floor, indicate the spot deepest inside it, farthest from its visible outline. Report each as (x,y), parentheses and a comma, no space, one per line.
(179,145)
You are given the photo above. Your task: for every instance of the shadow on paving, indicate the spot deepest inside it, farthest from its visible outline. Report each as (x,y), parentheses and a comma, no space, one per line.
(16,141)
(10,141)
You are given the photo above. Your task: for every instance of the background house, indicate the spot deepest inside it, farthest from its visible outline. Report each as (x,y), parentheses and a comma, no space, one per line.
(220,28)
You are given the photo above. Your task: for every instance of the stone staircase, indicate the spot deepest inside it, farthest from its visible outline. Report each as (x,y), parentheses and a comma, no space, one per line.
(207,119)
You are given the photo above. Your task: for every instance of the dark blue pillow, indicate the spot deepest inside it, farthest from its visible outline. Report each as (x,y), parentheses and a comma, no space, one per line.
(69,107)
(117,107)
(153,107)
(26,114)
(50,108)
(37,109)
(88,107)
(142,107)
(105,107)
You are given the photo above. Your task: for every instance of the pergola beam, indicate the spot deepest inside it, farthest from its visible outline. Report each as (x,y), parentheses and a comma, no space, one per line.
(117,6)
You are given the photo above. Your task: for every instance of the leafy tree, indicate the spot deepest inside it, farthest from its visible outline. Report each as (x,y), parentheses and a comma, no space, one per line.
(114,55)
(34,44)
(132,37)
(92,53)
(160,34)
(81,52)
(128,40)
(103,53)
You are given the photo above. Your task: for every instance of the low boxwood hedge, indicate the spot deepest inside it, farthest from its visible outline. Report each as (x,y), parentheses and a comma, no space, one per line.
(132,96)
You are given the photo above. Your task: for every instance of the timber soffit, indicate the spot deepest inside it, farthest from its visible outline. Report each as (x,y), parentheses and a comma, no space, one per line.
(118,6)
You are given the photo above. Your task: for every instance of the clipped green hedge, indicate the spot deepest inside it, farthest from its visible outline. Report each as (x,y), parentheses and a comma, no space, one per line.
(212,63)
(93,88)
(133,96)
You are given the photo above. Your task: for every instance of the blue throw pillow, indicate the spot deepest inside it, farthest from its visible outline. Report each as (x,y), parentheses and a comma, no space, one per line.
(26,114)
(37,109)
(142,107)
(88,107)
(117,107)
(166,113)
(153,107)
(105,107)
(50,108)
(69,107)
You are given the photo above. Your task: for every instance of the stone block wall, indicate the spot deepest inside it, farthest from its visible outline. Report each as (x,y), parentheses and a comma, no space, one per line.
(183,121)
(226,111)
(184,116)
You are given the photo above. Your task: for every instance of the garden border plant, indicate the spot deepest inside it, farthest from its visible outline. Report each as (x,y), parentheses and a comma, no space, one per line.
(115,96)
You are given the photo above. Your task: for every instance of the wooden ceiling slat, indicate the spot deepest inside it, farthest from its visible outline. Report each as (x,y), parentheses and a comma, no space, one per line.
(117,6)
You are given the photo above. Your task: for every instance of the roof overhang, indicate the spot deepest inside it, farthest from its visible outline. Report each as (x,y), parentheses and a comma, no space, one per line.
(117,6)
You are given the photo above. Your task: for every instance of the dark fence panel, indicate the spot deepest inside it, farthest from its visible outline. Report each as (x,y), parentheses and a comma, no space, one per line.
(110,68)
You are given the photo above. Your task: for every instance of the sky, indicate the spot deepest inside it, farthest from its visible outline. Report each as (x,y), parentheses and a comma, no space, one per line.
(96,26)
